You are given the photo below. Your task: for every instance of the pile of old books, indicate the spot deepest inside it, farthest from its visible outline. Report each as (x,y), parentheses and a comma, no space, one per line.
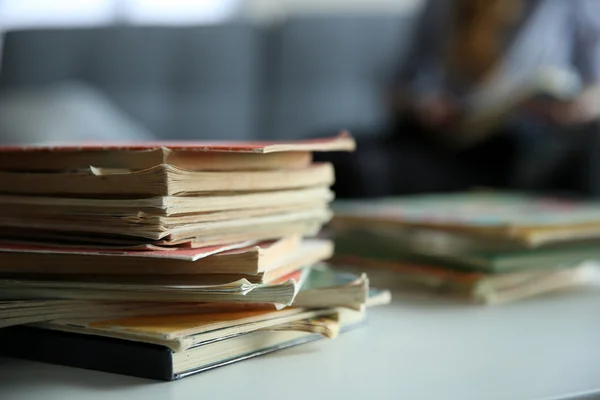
(186,256)
(487,247)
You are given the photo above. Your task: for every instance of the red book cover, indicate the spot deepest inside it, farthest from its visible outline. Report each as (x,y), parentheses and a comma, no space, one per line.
(342,142)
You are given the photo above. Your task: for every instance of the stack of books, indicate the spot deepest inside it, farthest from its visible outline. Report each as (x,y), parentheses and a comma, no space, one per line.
(185,256)
(487,247)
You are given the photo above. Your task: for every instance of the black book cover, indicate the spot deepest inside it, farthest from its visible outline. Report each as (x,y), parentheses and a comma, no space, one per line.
(88,351)
(118,356)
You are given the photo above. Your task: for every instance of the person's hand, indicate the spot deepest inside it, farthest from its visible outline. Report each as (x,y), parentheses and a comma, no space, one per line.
(435,110)
(583,109)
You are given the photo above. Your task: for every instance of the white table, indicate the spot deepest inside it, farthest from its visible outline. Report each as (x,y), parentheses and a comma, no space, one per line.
(543,348)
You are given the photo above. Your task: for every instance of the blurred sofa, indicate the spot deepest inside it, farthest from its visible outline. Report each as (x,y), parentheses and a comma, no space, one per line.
(307,76)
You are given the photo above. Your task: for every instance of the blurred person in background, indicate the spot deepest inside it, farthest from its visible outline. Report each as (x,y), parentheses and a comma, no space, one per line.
(468,55)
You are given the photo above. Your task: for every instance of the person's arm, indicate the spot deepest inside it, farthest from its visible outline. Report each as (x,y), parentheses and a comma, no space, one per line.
(584,108)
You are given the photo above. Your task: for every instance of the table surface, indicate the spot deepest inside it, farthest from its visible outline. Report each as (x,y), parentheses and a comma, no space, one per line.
(543,348)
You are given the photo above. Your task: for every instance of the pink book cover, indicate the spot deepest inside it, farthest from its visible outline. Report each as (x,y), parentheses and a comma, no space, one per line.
(186,254)
(342,142)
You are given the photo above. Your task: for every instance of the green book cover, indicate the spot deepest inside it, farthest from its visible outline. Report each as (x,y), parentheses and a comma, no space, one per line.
(371,245)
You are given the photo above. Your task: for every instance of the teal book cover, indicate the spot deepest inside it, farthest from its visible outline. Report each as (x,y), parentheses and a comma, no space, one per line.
(321,276)
(476,209)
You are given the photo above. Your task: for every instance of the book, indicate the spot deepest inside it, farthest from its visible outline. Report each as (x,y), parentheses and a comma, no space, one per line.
(154,361)
(137,160)
(25,206)
(270,229)
(475,287)
(261,263)
(199,156)
(241,291)
(303,222)
(524,218)
(379,245)
(529,259)
(47,258)
(161,180)
(168,228)
(182,331)
(244,257)
(20,312)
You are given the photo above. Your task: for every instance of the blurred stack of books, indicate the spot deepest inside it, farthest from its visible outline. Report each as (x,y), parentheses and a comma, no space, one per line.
(186,256)
(487,247)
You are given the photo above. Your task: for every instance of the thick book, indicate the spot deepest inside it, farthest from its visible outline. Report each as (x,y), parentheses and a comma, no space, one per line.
(161,180)
(142,359)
